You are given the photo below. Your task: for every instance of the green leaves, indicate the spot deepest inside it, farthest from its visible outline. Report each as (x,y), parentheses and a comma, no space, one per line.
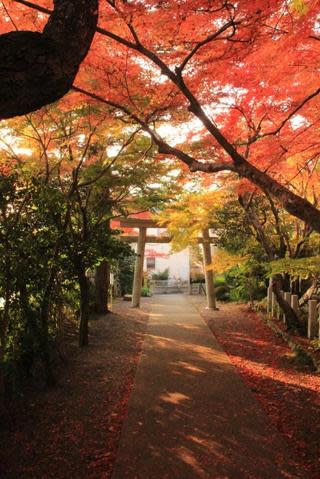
(303,268)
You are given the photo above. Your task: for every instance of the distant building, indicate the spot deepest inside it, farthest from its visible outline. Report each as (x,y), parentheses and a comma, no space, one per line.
(159,257)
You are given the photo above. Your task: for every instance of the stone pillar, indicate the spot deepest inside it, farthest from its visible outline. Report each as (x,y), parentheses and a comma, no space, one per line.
(287,297)
(312,318)
(189,272)
(211,296)
(138,269)
(111,289)
(295,302)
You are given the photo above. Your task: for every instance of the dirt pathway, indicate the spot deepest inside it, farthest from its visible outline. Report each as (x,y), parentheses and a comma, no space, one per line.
(191,416)
(198,424)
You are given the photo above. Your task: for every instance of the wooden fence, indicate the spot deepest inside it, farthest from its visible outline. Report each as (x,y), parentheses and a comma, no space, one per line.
(274,310)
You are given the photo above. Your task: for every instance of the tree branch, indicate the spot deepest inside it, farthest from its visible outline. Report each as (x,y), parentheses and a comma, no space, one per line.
(39,68)
(293,203)
(207,40)
(163,147)
(291,114)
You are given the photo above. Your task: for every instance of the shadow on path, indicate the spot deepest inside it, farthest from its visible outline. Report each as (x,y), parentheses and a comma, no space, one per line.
(190,414)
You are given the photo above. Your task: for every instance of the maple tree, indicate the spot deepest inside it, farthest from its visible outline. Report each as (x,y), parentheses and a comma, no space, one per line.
(64,174)
(241,83)
(163,61)
(250,224)
(208,63)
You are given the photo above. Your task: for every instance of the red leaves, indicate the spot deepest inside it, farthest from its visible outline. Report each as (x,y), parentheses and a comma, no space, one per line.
(73,430)
(289,393)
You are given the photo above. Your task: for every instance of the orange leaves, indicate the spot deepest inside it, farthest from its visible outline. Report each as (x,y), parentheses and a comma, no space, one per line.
(15,16)
(248,78)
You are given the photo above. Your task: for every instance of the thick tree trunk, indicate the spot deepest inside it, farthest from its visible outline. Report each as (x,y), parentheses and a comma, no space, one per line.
(294,204)
(309,293)
(84,308)
(39,68)
(44,345)
(292,320)
(102,283)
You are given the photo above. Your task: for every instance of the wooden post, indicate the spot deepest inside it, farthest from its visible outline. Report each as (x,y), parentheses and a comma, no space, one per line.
(295,302)
(287,297)
(138,269)
(211,296)
(312,318)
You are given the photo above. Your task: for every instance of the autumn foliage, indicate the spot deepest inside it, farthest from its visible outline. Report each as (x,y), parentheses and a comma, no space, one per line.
(231,90)
(239,79)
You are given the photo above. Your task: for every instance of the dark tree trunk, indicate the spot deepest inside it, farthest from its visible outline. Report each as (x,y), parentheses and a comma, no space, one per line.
(309,293)
(84,308)
(2,379)
(294,204)
(44,345)
(102,284)
(292,320)
(39,68)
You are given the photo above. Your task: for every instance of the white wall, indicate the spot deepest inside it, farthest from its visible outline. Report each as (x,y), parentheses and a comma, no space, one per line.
(177,263)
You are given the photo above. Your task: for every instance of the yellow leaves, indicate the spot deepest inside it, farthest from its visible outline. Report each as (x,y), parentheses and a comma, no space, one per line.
(186,218)
(299,6)
(297,268)
(223,261)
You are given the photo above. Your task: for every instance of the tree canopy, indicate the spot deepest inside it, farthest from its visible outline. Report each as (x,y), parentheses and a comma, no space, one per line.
(208,68)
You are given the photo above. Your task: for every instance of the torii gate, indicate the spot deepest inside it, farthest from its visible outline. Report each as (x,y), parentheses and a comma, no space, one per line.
(142,239)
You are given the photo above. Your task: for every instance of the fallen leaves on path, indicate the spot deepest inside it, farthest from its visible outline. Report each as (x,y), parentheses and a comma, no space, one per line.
(73,430)
(288,391)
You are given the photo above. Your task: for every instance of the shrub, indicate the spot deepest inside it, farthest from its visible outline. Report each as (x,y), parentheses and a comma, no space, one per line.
(247,282)
(222,292)
(145,292)
(163,275)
